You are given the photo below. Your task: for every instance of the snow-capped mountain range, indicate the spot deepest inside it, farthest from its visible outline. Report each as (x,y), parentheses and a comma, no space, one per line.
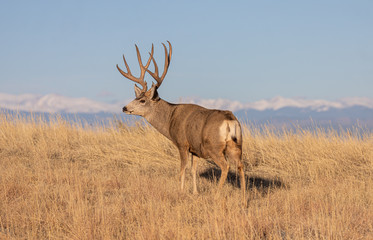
(279,111)
(56,103)
(277,103)
(53,103)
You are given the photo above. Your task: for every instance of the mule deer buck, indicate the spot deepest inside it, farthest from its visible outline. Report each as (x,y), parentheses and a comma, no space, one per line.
(195,130)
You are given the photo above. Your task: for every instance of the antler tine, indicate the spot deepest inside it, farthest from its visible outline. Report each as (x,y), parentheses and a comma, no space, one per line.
(139,80)
(142,67)
(167,61)
(150,58)
(127,75)
(155,75)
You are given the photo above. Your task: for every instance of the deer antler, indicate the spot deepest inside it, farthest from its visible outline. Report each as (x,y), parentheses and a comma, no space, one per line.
(139,80)
(167,61)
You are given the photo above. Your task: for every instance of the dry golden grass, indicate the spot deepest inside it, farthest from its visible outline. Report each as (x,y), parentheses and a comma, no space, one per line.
(59,181)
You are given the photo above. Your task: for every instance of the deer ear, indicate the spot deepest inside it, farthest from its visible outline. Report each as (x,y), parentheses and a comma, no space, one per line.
(137,91)
(153,93)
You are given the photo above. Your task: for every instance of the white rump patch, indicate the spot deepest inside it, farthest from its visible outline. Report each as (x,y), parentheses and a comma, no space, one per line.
(230,130)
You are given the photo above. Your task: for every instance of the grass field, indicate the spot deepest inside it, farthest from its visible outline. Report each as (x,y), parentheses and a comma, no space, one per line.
(59,181)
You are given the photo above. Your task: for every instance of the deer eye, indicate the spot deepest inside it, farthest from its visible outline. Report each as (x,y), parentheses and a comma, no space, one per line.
(142,100)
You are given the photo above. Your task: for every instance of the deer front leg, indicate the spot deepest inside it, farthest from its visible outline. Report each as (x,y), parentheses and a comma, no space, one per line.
(194,172)
(184,161)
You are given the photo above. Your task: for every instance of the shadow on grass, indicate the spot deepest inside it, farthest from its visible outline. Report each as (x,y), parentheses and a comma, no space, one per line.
(261,184)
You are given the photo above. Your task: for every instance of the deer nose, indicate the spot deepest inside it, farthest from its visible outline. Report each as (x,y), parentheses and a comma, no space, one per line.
(124,109)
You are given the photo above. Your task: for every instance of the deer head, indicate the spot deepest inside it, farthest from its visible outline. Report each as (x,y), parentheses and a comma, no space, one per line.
(145,99)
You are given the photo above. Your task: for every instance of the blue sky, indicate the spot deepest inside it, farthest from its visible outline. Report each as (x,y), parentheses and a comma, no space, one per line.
(237,50)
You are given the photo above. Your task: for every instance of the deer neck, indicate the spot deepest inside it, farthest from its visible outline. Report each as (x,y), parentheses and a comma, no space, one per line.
(160,117)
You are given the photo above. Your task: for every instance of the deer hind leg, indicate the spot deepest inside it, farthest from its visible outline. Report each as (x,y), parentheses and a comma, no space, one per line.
(219,159)
(184,160)
(234,153)
(224,166)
